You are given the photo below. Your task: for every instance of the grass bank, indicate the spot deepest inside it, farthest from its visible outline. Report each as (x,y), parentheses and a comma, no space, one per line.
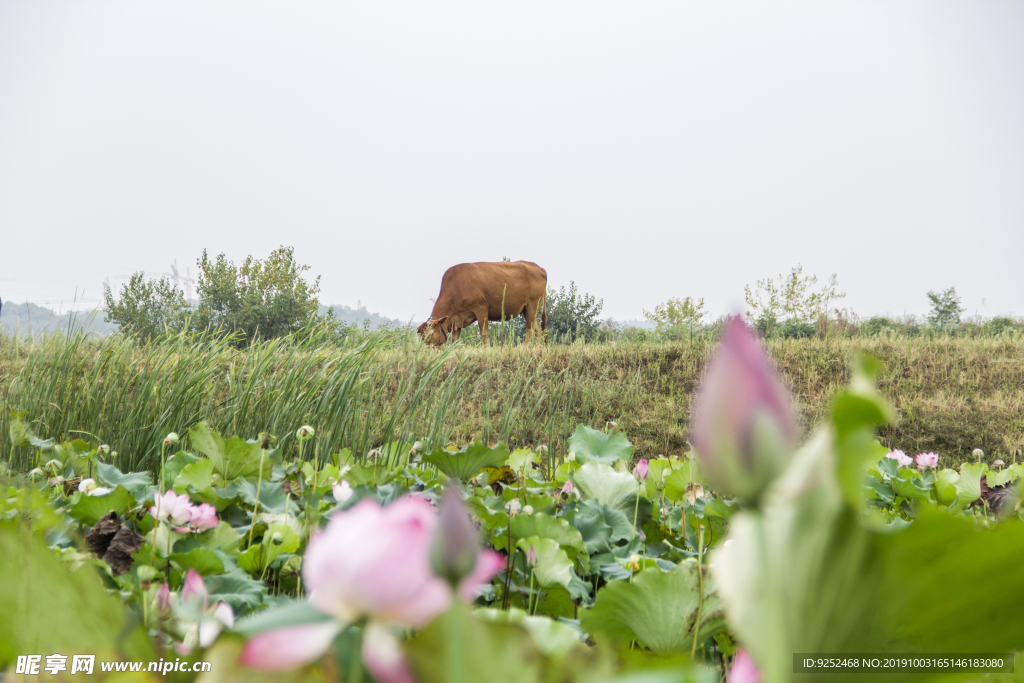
(951,395)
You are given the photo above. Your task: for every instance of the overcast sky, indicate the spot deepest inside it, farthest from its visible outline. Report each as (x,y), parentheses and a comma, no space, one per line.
(645,150)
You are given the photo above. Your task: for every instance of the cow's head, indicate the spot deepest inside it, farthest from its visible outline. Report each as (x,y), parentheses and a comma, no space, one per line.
(435,331)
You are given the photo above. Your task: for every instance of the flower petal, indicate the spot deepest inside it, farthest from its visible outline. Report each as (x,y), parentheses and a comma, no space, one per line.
(383,658)
(286,648)
(488,563)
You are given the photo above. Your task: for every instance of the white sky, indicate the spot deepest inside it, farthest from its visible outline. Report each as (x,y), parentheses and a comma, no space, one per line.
(643,149)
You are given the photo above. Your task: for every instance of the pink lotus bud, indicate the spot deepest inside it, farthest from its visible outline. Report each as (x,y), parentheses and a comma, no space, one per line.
(642,470)
(288,647)
(163,599)
(455,545)
(531,557)
(204,517)
(743,669)
(744,427)
(567,488)
(927,460)
(900,457)
(194,589)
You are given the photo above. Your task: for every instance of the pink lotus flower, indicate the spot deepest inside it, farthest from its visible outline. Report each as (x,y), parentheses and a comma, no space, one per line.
(900,457)
(744,427)
(170,506)
(743,669)
(369,563)
(567,487)
(204,517)
(342,491)
(203,622)
(926,460)
(642,470)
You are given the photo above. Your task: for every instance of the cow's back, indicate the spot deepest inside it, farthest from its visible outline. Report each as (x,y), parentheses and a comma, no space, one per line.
(496,283)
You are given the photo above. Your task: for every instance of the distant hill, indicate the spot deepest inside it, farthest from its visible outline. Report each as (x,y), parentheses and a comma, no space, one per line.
(27,319)
(360,315)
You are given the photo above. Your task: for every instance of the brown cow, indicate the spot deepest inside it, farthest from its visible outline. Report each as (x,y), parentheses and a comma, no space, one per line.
(486,291)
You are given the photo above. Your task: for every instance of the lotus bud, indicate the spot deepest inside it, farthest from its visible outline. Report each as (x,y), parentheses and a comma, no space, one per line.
(998,464)
(978,453)
(531,557)
(163,599)
(56,481)
(455,545)
(194,589)
(642,470)
(266,440)
(373,454)
(304,433)
(743,669)
(744,428)
(611,425)
(527,509)
(567,488)
(104,449)
(513,507)
(417,448)
(542,449)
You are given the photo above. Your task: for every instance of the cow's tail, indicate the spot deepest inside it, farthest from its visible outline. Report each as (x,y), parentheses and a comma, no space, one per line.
(544,318)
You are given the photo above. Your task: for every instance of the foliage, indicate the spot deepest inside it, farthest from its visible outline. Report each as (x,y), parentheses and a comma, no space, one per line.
(946,308)
(148,308)
(790,299)
(573,316)
(259,299)
(677,317)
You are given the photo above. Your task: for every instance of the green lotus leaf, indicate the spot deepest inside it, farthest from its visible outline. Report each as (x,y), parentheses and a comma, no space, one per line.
(469,461)
(658,609)
(553,565)
(88,509)
(591,445)
(558,530)
(232,458)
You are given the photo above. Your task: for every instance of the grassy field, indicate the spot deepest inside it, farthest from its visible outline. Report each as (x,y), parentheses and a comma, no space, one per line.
(951,395)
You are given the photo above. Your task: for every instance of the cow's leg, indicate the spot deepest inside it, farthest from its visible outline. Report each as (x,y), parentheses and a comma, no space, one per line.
(481,320)
(531,319)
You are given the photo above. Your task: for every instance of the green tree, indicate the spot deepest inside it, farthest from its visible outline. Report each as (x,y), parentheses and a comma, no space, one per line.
(259,299)
(946,309)
(781,305)
(677,317)
(148,308)
(573,316)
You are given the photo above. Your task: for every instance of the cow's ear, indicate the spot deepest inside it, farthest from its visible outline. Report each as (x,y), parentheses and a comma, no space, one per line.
(444,323)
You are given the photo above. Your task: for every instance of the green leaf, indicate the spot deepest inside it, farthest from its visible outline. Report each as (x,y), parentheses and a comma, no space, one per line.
(291,614)
(618,490)
(968,486)
(137,483)
(272,495)
(558,530)
(88,509)
(591,445)
(232,458)
(678,482)
(175,464)
(550,637)
(198,475)
(910,488)
(222,536)
(17,430)
(659,609)
(521,459)
(203,560)
(553,564)
(236,589)
(492,652)
(600,526)
(469,461)
(35,585)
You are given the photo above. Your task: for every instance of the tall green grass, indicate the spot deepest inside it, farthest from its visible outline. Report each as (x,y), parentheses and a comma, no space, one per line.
(951,395)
